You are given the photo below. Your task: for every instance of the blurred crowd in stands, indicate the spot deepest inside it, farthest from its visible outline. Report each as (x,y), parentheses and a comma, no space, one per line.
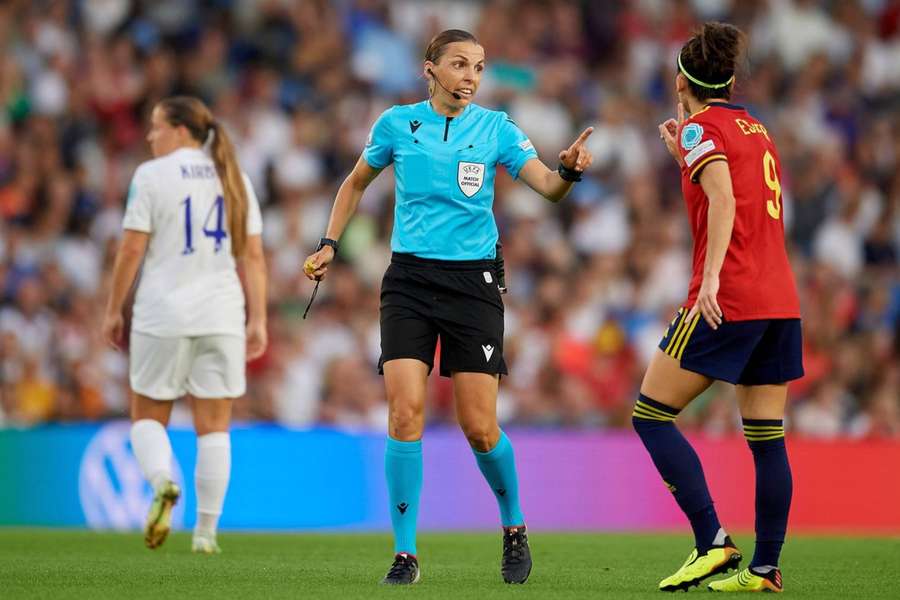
(593,281)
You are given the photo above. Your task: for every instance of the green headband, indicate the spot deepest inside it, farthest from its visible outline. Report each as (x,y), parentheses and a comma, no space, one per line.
(713,86)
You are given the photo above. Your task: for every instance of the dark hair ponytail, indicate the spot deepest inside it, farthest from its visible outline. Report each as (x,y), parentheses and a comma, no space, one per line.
(711,57)
(196,117)
(225,159)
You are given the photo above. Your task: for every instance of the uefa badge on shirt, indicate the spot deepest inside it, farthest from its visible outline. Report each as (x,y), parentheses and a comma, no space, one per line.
(691,135)
(470,177)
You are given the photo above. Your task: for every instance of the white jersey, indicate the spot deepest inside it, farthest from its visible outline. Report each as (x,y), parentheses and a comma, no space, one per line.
(188,284)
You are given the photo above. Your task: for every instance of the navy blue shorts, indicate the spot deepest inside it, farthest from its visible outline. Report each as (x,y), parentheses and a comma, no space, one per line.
(759,352)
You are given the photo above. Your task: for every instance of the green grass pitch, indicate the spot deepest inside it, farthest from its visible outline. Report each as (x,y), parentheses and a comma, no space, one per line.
(40,563)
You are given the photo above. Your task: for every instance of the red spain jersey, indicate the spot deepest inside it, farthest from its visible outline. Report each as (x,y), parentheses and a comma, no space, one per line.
(756,281)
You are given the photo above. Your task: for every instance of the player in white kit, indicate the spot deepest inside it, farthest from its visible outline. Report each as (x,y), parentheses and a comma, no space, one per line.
(191,219)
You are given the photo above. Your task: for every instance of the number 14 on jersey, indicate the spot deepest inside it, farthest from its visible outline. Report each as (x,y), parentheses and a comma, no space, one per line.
(218,234)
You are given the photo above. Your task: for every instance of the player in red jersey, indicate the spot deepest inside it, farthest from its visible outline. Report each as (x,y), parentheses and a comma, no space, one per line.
(741,320)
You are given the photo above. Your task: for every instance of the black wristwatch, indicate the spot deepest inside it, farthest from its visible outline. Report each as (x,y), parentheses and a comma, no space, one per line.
(327,242)
(568,174)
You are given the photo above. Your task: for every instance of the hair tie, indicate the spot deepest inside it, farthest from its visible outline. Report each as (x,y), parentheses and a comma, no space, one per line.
(211,133)
(712,86)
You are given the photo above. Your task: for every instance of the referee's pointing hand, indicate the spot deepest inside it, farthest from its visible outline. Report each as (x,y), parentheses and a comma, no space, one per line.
(577,156)
(316,264)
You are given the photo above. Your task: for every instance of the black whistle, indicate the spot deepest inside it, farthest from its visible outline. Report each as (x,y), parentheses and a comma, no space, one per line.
(500,268)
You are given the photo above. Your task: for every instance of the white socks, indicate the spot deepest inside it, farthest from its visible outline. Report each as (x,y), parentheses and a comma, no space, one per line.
(211,477)
(720,537)
(153,451)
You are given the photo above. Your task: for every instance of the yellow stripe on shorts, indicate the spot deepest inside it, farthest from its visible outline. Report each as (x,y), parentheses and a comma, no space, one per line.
(680,349)
(679,335)
(675,333)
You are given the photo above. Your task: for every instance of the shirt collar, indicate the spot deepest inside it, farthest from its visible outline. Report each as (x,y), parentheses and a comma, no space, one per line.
(433,114)
(725,105)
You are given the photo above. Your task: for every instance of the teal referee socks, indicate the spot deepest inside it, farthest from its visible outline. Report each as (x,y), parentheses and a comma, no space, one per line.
(403,469)
(498,465)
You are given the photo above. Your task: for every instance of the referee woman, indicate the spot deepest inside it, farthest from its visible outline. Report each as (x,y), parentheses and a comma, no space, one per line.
(442,281)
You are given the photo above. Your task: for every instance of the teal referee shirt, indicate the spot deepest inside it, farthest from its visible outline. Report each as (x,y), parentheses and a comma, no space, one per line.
(444,169)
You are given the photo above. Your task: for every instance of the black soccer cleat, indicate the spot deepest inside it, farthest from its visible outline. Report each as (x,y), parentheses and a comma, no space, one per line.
(516,564)
(404,571)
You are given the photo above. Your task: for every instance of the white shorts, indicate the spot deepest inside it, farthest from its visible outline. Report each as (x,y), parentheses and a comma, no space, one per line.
(210,366)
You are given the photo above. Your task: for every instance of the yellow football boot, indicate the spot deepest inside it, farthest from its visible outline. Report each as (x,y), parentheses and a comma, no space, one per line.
(697,567)
(159,518)
(205,545)
(747,581)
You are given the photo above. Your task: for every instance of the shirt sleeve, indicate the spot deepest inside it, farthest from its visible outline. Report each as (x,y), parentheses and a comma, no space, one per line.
(514,146)
(139,205)
(699,145)
(379,151)
(254,216)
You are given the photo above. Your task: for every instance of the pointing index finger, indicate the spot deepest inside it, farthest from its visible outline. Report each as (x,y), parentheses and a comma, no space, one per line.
(680,111)
(584,136)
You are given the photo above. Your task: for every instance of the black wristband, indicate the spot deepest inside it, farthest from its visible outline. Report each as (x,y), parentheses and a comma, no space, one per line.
(568,174)
(327,242)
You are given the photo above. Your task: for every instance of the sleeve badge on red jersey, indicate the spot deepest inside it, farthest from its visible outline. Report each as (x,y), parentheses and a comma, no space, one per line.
(691,134)
(691,157)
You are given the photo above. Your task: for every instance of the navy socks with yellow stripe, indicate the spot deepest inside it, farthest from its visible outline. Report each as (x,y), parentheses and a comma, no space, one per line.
(679,467)
(774,487)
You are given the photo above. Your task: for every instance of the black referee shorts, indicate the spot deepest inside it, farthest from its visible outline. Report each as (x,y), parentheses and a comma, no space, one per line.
(458,301)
